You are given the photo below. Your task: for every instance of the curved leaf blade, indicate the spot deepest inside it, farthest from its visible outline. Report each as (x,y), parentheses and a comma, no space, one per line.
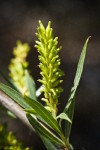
(42,130)
(9,81)
(48,144)
(69,108)
(41,111)
(16,96)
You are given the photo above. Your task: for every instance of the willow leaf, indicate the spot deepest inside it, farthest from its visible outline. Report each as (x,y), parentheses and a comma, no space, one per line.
(31,86)
(9,81)
(48,144)
(42,130)
(43,113)
(16,96)
(69,109)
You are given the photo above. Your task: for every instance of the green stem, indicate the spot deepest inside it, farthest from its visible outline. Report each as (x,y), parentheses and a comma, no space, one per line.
(67,144)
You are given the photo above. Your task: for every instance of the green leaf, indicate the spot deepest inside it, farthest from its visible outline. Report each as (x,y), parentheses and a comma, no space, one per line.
(31,86)
(32,111)
(16,96)
(69,109)
(65,117)
(9,81)
(44,114)
(42,130)
(48,144)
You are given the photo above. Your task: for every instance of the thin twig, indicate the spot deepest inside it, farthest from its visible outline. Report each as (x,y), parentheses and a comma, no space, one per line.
(7,102)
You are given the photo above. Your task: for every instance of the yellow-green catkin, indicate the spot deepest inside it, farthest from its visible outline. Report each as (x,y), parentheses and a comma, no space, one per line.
(49,64)
(19,65)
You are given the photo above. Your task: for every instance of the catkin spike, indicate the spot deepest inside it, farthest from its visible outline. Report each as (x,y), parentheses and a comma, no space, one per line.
(19,65)
(48,49)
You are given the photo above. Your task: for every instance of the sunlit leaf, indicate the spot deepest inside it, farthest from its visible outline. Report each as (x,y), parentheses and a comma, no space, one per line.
(45,114)
(41,129)
(31,86)
(16,96)
(8,80)
(69,108)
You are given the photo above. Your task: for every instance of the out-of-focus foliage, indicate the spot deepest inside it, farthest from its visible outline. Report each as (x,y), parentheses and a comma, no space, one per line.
(8,141)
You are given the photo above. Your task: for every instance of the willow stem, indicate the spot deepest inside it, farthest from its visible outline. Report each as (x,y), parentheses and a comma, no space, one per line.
(14,108)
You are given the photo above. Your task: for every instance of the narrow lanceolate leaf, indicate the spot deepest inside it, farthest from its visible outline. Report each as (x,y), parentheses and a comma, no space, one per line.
(31,86)
(48,144)
(44,114)
(69,109)
(9,81)
(42,130)
(16,96)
